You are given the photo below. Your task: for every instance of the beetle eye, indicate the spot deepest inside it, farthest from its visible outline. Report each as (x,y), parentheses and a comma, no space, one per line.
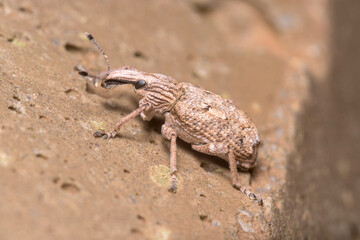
(139,84)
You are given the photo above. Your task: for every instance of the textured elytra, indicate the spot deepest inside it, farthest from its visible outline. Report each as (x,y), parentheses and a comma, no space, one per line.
(201,117)
(211,124)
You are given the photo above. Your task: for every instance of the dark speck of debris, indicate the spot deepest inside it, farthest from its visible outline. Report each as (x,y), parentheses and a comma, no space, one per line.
(16,107)
(139,54)
(70,187)
(25,9)
(203,217)
(135,230)
(13,108)
(16,97)
(140,218)
(56,180)
(204,7)
(39,154)
(70,47)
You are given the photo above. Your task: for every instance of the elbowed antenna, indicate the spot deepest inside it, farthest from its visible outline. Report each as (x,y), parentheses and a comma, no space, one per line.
(92,39)
(94,78)
(85,73)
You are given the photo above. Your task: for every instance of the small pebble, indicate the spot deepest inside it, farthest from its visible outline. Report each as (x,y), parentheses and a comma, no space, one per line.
(215,223)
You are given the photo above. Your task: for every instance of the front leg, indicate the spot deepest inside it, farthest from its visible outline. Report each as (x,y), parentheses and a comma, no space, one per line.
(170,134)
(131,115)
(148,113)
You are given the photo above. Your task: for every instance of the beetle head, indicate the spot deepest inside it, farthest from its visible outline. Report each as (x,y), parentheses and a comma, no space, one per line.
(158,90)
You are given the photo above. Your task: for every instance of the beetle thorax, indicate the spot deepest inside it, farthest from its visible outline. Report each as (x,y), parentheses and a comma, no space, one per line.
(161,92)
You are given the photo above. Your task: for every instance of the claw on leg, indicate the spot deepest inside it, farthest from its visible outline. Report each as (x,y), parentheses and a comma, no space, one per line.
(105,135)
(173,182)
(236,183)
(113,133)
(252,196)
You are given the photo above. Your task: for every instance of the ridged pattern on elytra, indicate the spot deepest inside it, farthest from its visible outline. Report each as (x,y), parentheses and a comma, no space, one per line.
(203,117)
(161,95)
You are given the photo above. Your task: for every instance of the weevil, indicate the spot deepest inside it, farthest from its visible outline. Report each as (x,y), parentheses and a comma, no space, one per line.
(210,123)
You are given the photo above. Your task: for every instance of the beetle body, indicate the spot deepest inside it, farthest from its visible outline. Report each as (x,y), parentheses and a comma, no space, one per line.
(211,124)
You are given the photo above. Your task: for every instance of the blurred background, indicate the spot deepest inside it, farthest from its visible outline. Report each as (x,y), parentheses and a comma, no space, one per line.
(293,66)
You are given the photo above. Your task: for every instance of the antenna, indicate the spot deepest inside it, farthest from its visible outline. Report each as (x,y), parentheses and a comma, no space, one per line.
(87,74)
(92,39)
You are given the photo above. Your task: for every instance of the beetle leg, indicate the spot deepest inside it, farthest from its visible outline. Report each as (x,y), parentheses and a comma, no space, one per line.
(113,133)
(235,179)
(173,182)
(170,134)
(147,114)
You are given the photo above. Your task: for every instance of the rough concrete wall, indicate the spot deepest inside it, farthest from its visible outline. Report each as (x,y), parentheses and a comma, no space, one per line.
(323,179)
(58,182)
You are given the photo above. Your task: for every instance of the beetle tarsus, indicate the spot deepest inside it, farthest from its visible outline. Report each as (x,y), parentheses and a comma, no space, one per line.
(105,135)
(173,184)
(252,196)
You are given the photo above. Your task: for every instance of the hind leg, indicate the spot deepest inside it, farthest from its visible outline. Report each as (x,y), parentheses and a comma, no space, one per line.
(169,133)
(222,151)
(236,182)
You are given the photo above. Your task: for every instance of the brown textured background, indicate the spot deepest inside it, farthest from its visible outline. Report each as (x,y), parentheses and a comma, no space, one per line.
(58,182)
